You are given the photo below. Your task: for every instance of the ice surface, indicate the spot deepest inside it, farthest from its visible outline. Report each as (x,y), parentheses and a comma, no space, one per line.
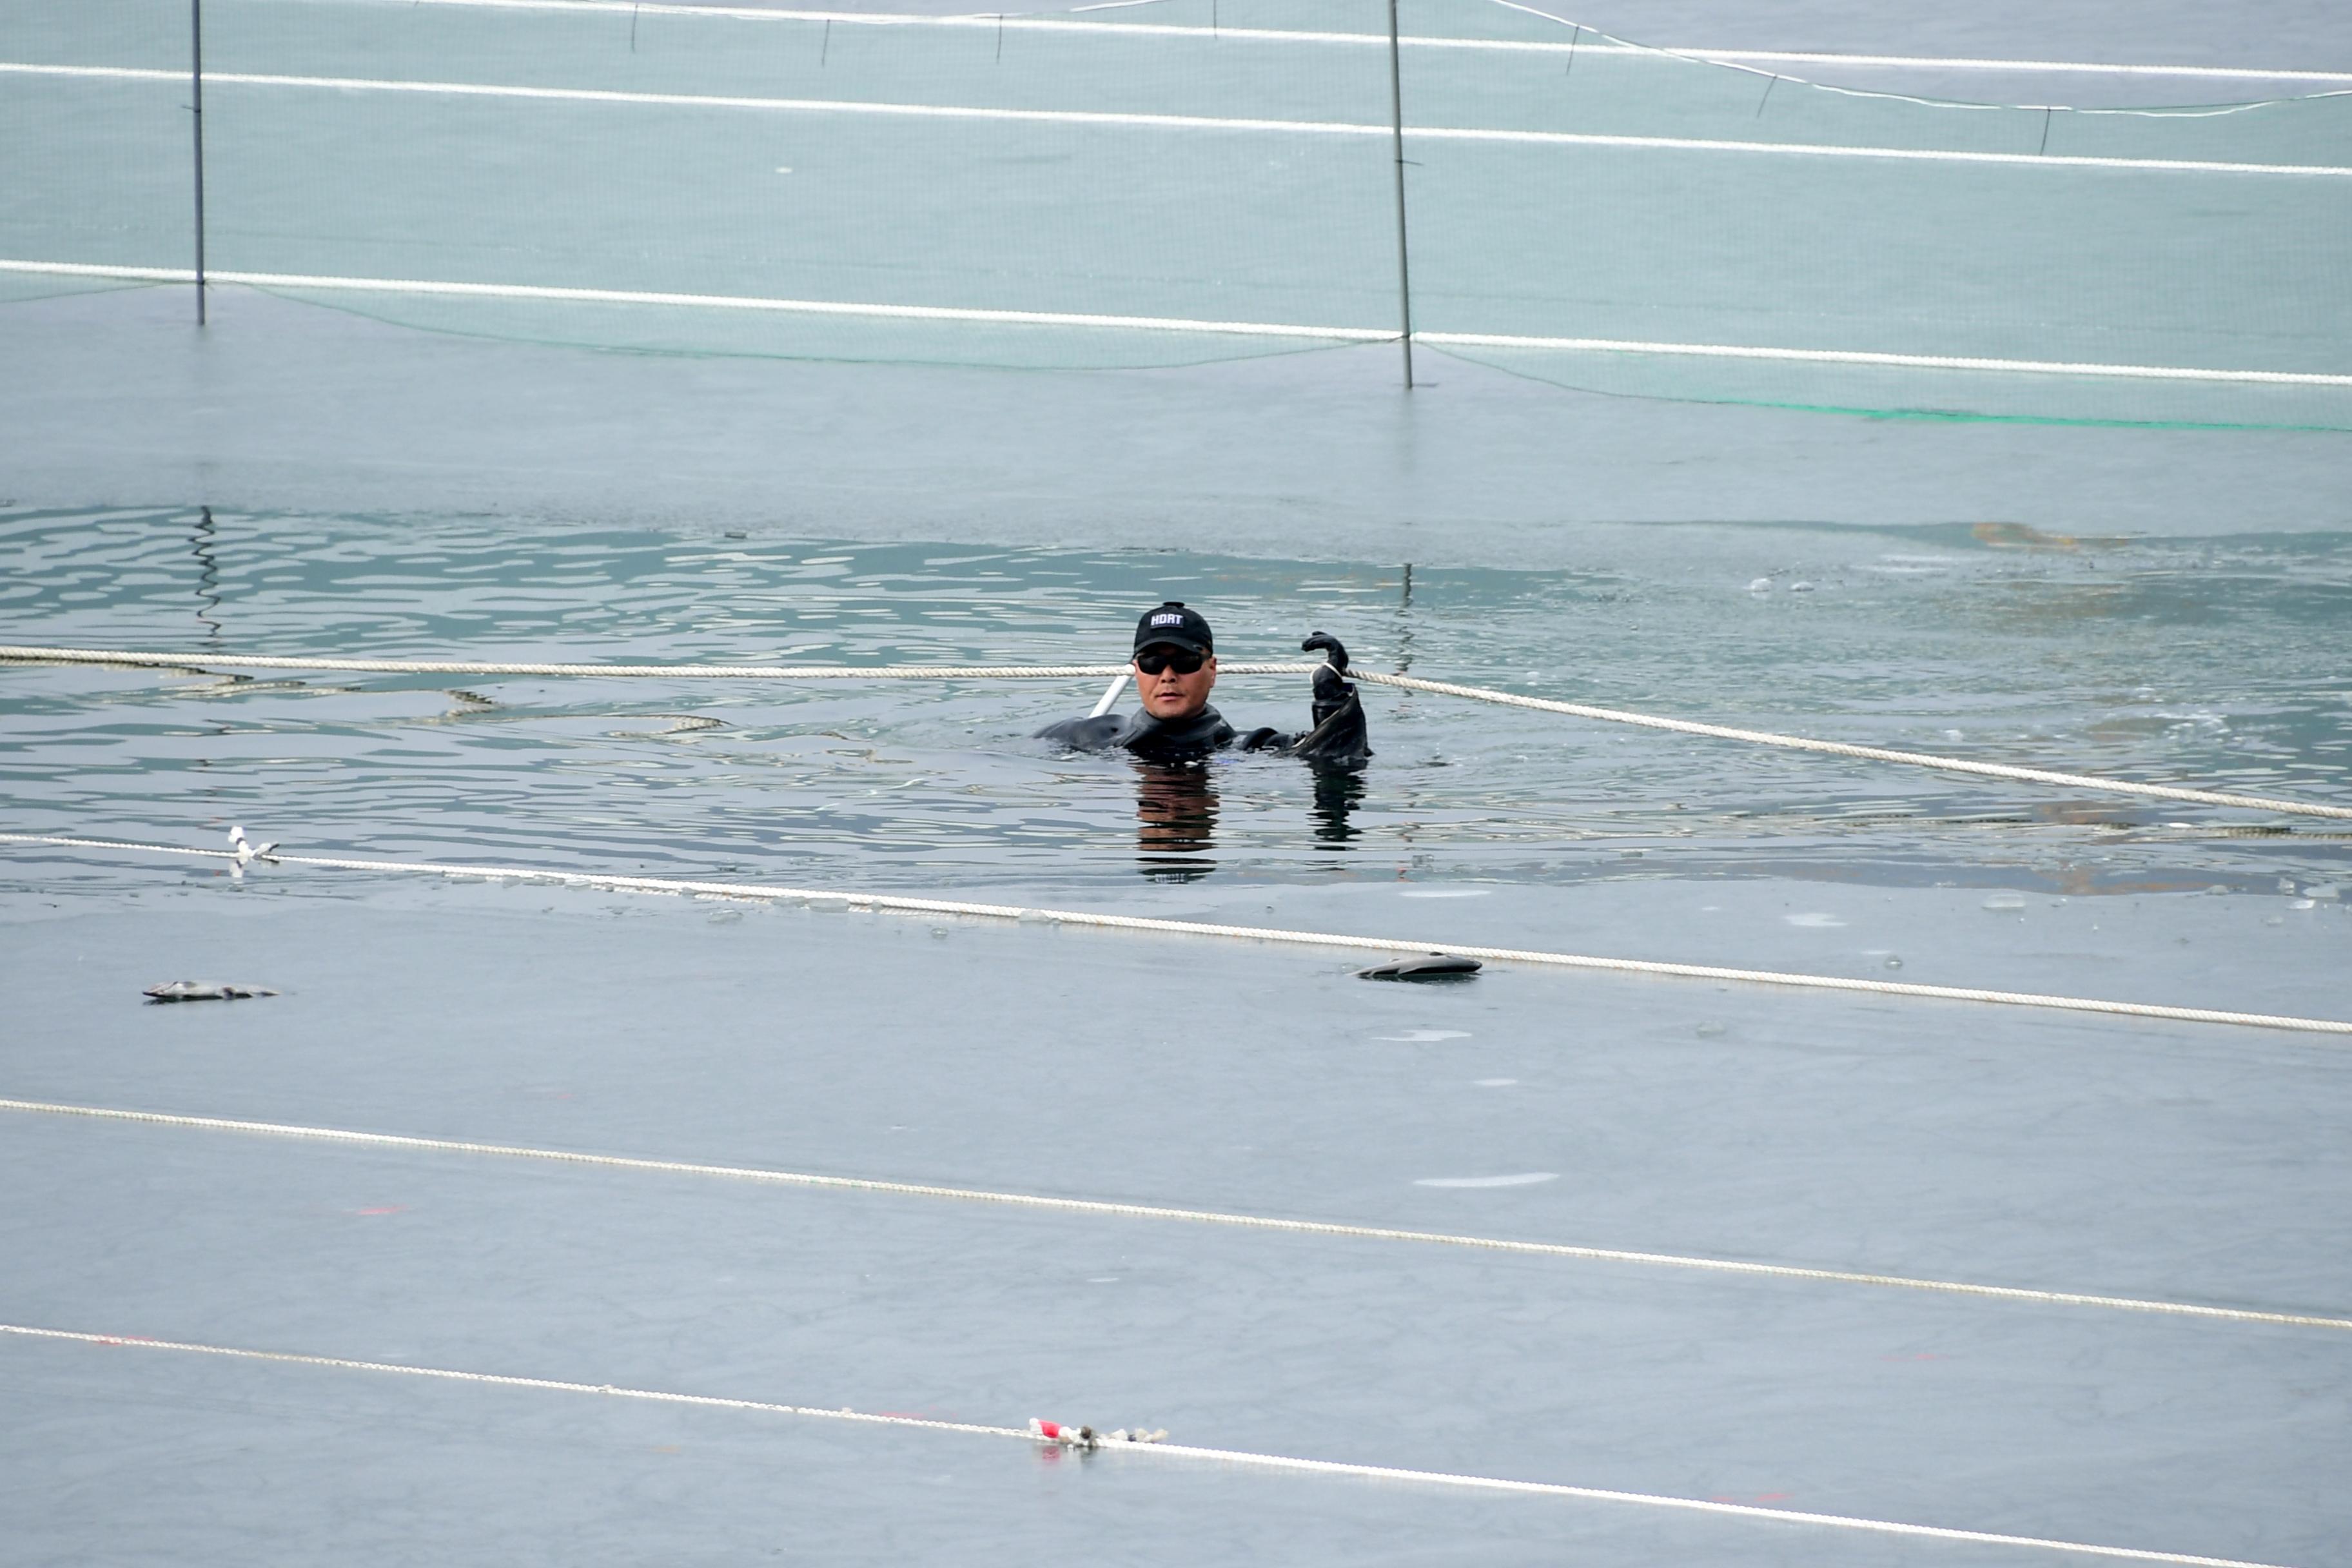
(1957,1142)
(2156,602)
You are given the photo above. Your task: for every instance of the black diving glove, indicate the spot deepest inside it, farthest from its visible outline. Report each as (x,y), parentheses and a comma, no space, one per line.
(1333,649)
(1332,691)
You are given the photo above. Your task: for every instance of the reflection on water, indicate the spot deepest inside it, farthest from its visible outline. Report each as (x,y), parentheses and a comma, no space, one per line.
(1175,821)
(200,545)
(2212,660)
(1337,792)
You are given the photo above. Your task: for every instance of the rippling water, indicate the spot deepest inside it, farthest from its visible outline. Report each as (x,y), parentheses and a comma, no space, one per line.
(2216,662)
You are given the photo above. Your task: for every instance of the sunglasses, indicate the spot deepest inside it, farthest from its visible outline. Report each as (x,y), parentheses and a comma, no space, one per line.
(1183,661)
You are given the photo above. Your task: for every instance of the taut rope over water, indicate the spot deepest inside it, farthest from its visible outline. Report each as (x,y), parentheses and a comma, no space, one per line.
(201,661)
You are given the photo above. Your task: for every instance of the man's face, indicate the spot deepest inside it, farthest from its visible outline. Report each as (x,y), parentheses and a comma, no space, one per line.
(1171,693)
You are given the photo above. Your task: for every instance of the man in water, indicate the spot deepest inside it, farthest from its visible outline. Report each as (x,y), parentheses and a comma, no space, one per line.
(1175,667)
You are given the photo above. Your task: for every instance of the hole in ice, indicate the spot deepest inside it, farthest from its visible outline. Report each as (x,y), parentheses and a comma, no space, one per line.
(1426,1036)
(1524,1179)
(1813,922)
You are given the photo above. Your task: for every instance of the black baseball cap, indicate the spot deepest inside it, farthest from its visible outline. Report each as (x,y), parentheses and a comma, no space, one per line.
(1173,623)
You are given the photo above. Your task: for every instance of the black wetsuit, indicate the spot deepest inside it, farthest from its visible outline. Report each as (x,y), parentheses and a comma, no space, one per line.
(1339,735)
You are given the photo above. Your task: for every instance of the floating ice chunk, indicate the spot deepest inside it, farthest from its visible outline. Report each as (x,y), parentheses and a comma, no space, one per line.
(1524,1179)
(2322,891)
(1894,962)
(1426,1036)
(1710,1030)
(1801,587)
(1498,1082)
(2298,904)
(2005,901)
(1444,892)
(1815,921)
(1761,585)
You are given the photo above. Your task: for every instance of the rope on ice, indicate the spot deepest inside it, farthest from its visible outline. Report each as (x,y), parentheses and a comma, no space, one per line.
(822,897)
(1105,1209)
(1165,1450)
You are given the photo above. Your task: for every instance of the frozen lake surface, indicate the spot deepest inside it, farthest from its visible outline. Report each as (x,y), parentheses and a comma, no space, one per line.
(2144,603)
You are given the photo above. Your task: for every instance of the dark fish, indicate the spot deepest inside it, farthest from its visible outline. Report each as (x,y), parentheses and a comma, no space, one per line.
(1436,966)
(204,991)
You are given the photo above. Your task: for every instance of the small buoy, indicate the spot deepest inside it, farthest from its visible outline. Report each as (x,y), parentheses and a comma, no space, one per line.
(1436,966)
(1086,1437)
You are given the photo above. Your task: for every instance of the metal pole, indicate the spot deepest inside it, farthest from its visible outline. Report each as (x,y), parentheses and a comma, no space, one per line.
(1396,129)
(196,72)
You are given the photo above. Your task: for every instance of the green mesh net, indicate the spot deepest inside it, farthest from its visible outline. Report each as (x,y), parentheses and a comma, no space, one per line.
(1188,181)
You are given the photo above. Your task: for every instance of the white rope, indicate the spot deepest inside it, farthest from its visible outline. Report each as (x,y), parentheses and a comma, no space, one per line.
(1047,23)
(11,652)
(624,882)
(445,288)
(1843,749)
(1155,121)
(22,653)
(1100,1207)
(1163,1450)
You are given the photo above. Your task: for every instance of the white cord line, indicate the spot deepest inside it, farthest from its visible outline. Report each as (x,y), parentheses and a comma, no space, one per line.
(555,1386)
(1035,24)
(1161,1450)
(1176,122)
(10,651)
(566,295)
(558,295)
(824,898)
(1843,749)
(1100,1207)
(148,660)
(1895,360)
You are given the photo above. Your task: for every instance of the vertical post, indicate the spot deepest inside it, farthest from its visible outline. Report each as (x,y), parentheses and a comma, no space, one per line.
(196,75)
(1396,130)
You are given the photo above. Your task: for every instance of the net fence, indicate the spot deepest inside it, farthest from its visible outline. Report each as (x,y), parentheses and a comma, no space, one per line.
(1187,181)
